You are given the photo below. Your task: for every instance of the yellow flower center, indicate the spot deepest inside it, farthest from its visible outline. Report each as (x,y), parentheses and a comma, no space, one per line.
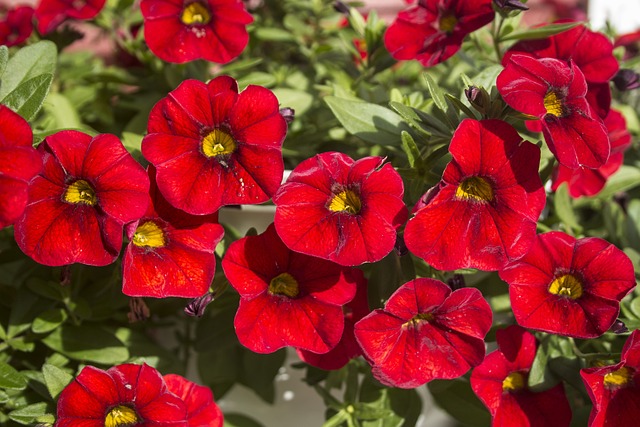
(553,104)
(148,235)
(80,192)
(418,319)
(284,284)
(619,378)
(195,14)
(346,201)
(218,143)
(567,286)
(475,188)
(447,23)
(121,416)
(513,382)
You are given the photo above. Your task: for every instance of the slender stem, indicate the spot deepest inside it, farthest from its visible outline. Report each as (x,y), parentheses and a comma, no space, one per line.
(186,345)
(496,37)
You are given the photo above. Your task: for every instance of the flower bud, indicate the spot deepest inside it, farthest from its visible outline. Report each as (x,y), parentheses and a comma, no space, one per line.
(626,80)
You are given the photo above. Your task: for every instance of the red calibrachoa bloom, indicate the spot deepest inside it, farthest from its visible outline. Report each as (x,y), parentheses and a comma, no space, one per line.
(125,395)
(213,146)
(19,164)
(170,253)
(184,30)
(484,211)
(567,287)
(202,411)
(339,209)
(433,30)
(500,381)
(89,188)
(555,93)
(286,298)
(51,13)
(425,332)
(615,389)
(17,26)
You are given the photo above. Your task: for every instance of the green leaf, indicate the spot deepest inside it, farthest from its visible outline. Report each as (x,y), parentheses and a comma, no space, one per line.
(564,207)
(539,375)
(239,420)
(635,306)
(27,98)
(56,379)
(299,100)
(4,58)
(88,344)
(410,116)
(336,420)
(411,149)
(540,32)
(259,370)
(49,320)
(62,111)
(10,378)
(626,178)
(436,92)
(28,414)
(457,398)
(29,62)
(273,34)
(407,404)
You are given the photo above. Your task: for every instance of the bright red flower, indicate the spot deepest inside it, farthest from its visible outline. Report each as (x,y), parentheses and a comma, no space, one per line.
(170,253)
(17,26)
(588,182)
(425,332)
(500,381)
(567,287)
(213,147)
(286,298)
(615,389)
(485,210)
(51,13)
(125,395)
(555,93)
(631,43)
(202,411)
(19,164)
(184,30)
(433,30)
(89,188)
(335,208)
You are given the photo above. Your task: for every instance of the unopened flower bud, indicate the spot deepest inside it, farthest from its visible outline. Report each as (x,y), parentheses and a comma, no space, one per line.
(508,5)
(618,327)
(478,98)
(138,310)
(288,114)
(456,282)
(626,80)
(341,7)
(197,306)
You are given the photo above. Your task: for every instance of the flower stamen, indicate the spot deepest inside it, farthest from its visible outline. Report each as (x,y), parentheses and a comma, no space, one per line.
(346,201)
(566,286)
(513,382)
(195,14)
(618,378)
(218,143)
(553,104)
(418,319)
(475,188)
(80,192)
(148,235)
(284,284)
(447,23)
(121,416)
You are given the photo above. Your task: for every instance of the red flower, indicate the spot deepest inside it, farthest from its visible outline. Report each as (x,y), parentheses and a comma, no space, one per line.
(555,93)
(631,43)
(433,30)
(17,26)
(124,395)
(615,389)
(89,189)
(51,13)
(185,30)
(339,209)
(19,164)
(567,287)
(202,411)
(286,298)
(588,182)
(484,211)
(501,383)
(425,332)
(170,253)
(212,146)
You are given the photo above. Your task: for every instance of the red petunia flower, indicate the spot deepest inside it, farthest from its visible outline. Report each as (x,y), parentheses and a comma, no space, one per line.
(19,164)
(339,209)
(89,188)
(567,287)
(433,30)
(484,211)
(213,146)
(170,253)
(555,93)
(17,26)
(630,42)
(588,182)
(185,30)
(202,411)
(425,332)
(125,395)
(615,389)
(500,381)
(286,298)
(51,13)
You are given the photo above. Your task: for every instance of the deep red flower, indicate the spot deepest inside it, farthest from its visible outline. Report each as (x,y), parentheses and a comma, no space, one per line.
(125,395)
(19,164)
(51,13)
(202,411)
(339,209)
(588,182)
(170,253)
(185,30)
(213,147)
(484,211)
(631,43)
(555,93)
(615,389)
(433,30)
(567,287)
(425,332)
(89,188)
(17,26)
(500,381)
(286,298)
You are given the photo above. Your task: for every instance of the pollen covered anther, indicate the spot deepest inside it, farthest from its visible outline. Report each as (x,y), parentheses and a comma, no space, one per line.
(80,192)
(149,235)
(346,201)
(284,284)
(121,416)
(218,143)
(475,188)
(618,378)
(567,286)
(195,14)
(418,319)
(447,23)
(513,382)
(553,104)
